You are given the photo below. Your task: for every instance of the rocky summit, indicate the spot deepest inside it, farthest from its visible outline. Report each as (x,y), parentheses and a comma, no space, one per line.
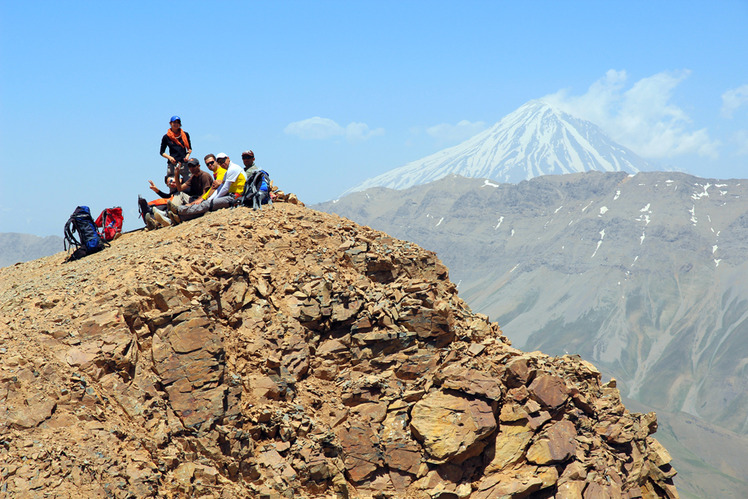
(291,353)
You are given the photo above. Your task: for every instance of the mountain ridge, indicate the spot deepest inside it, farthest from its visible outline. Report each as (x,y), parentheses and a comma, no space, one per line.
(15,247)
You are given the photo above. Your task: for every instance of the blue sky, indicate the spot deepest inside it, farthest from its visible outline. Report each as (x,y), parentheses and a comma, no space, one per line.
(330,93)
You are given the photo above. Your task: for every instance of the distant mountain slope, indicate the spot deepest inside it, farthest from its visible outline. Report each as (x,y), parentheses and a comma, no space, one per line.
(643,275)
(16,247)
(534,140)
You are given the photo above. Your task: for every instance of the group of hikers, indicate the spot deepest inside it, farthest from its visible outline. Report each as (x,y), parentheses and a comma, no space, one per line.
(193,192)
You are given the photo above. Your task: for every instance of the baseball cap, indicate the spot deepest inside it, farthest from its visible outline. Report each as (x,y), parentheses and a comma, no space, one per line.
(193,162)
(248,153)
(221,155)
(175,118)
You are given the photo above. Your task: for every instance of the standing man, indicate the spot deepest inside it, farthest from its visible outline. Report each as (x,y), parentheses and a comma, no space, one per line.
(180,148)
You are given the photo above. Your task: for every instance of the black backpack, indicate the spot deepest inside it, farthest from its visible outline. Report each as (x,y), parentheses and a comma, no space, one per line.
(88,241)
(254,196)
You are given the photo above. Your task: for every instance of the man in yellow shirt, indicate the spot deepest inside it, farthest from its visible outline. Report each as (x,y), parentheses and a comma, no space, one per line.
(222,196)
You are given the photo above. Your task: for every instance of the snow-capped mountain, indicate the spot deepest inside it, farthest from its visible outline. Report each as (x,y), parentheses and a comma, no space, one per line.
(534,140)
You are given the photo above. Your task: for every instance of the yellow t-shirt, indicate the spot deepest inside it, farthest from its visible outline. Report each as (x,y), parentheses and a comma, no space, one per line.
(219,176)
(236,188)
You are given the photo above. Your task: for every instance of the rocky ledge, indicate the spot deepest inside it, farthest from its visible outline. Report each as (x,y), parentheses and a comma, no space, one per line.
(291,353)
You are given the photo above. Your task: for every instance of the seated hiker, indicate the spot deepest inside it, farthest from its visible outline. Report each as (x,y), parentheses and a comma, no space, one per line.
(224,196)
(257,186)
(195,187)
(248,158)
(170,183)
(154,212)
(218,173)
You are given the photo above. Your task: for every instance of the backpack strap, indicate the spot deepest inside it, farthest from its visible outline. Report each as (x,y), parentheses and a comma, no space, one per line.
(70,239)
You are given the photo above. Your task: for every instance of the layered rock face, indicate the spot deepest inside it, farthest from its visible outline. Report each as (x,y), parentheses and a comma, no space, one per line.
(291,353)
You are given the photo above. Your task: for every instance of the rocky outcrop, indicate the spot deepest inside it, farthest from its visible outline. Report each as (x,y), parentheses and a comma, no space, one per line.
(290,353)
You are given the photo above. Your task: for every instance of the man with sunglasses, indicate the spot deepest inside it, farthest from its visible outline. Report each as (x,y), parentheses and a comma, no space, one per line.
(180,148)
(248,158)
(232,185)
(196,185)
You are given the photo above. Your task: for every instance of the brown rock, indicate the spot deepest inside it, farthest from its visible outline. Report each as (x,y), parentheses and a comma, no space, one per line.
(555,446)
(550,391)
(509,446)
(360,450)
(469,381)
(518,372)
(517,483)
(451,428)
(571,490)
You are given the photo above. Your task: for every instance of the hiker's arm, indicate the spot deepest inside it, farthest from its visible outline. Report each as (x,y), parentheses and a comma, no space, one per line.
(188,149)
(162,151)
(178,181)
(158,191)
(221,191)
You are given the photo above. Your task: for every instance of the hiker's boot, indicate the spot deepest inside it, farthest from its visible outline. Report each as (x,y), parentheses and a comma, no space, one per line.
(161,219)
(150,223)
(174,217)
(173,208)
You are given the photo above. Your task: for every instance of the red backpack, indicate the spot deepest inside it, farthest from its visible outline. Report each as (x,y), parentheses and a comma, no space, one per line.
(110,220)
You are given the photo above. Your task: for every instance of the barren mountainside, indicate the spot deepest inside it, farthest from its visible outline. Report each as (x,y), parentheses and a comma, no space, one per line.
(292,353)
(642,275)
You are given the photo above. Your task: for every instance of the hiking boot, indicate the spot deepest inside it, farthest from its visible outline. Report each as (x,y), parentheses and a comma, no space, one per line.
(173,208)
(150,223)
(161,219)
(174,217)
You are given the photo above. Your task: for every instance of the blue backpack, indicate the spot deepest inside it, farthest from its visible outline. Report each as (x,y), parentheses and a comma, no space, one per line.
(88,241)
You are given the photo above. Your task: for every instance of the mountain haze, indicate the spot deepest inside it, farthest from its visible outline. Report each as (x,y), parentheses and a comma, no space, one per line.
(534,140)
(16,248)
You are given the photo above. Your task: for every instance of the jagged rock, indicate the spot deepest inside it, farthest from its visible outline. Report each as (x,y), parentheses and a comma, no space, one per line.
(549,391)
(452,428)
(289,353)
(555,446)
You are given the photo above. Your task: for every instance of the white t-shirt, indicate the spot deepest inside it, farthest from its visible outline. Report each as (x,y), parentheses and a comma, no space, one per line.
(232,173)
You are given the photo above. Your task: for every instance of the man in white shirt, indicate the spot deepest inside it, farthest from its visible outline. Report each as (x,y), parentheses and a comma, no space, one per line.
(222,197)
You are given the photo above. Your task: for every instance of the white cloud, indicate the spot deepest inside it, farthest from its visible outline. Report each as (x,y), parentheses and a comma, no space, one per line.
(361,131)
(733,99)
(317,128)
(456,133)
(641,117)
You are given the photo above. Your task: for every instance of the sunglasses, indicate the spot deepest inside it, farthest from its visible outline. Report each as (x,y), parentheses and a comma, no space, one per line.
(209,162)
